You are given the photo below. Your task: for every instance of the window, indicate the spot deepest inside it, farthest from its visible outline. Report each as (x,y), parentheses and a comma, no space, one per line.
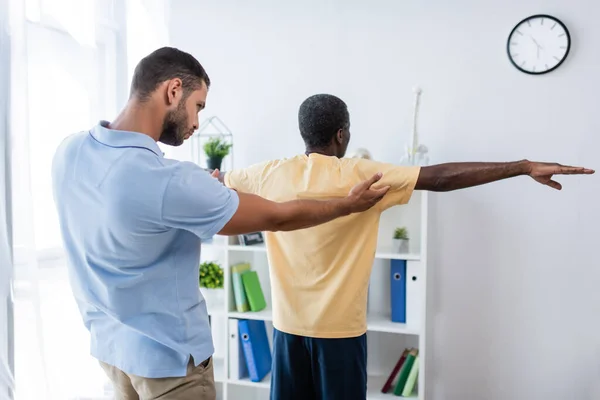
(69,67)
(72,68)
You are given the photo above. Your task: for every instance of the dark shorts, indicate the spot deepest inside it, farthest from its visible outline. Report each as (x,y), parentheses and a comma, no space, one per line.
(307,368)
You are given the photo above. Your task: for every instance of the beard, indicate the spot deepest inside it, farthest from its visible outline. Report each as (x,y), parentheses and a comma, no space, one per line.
(174,127)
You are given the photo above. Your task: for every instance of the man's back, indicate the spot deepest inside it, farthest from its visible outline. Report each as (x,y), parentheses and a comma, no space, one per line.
(320,275)
(133,252)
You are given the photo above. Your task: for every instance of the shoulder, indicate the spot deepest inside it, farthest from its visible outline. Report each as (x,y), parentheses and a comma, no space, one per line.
(69,145)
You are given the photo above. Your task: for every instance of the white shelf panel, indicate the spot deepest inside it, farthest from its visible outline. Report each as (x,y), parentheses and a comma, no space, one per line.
(375,322)
(382,253)
(265,383)
(374,385)
(265,315)
(219,369)
(255,248)
(381,323)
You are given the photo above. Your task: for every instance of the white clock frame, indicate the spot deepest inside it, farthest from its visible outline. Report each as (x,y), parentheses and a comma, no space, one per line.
(538,44)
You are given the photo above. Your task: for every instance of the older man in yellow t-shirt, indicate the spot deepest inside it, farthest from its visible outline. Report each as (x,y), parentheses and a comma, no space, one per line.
(320,275)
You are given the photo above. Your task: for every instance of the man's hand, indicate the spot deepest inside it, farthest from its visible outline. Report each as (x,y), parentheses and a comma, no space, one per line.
(453,176)
(362,197)
(543,172)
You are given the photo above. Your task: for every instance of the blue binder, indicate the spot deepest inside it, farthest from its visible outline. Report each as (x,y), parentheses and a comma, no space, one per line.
(398,290)
(256,348)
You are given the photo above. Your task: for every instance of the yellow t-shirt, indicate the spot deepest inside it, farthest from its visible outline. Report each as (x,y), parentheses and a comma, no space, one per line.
(320,275)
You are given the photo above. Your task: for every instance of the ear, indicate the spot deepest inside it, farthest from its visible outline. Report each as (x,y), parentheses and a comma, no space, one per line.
(340,136)
(174,91)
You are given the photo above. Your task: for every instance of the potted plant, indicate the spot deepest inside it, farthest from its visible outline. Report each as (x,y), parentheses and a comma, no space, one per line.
(212,283)
(216,149)
(401,240)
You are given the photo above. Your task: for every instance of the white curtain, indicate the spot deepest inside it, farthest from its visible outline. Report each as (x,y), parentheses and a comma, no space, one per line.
(6,331)
(72,60)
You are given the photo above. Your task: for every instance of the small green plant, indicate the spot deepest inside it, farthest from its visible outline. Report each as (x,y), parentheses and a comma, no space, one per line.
(216,148)
(211,275)
(401,233)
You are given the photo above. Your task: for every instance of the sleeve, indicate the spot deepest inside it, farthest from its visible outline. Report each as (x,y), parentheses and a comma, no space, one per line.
(401,179)
(195,201)
(247,180)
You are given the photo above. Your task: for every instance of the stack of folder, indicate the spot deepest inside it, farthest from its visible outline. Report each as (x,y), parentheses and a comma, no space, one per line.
(403,378)
(249,350)
(247,292)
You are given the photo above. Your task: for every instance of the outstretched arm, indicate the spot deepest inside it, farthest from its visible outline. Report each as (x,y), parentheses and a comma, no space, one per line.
(255,213)
(453,176)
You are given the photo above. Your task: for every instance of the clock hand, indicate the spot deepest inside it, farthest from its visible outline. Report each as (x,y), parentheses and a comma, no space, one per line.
(536,43)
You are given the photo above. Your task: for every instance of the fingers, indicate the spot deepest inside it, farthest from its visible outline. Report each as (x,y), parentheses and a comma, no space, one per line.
(379,193)
(554,185)
(568,170)
(215,173)
(373,179)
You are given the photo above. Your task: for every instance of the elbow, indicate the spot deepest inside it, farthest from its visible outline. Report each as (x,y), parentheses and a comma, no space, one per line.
(277,219)
(434,179)
(442,184)
(435,184)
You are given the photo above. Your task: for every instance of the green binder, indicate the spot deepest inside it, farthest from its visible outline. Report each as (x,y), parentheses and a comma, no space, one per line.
(254,292)
(405,371)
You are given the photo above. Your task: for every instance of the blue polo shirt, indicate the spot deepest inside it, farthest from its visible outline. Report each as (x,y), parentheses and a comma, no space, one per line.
(132,222)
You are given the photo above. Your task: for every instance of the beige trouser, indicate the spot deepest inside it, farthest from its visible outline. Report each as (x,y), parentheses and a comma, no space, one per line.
(198,384)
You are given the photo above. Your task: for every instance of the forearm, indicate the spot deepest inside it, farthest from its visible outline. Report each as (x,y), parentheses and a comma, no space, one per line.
(255,213)
(301,214)
(453,176)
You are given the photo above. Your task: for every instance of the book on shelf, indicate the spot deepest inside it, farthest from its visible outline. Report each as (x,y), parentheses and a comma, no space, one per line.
(239,294)
(247,291)
(403,377)
(254,292)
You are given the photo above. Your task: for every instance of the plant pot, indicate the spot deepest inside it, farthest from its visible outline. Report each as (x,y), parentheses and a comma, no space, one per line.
(400,245)
(214,163)
(214,298)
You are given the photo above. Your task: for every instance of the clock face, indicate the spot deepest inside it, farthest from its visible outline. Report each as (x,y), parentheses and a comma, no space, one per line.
(538,44)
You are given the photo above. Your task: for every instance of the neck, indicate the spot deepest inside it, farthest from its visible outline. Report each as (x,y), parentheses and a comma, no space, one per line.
(329,151)
(140,117)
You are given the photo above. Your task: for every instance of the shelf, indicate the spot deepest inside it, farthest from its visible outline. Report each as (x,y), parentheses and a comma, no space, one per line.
(387,254)
(255,248)
(375,322)
(219,369)
(265,383)
(382,253)
(381,323)
(264,315)
(374,385)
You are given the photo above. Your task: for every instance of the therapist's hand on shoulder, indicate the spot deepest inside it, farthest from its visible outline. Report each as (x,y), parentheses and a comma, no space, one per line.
(362,196)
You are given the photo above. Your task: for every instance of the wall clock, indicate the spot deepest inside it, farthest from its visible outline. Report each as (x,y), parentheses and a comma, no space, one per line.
(538,44)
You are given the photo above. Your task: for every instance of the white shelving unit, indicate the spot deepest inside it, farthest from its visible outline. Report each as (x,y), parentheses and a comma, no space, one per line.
(386,340)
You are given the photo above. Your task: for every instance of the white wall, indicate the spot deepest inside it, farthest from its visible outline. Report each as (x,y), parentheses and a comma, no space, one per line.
(516,272)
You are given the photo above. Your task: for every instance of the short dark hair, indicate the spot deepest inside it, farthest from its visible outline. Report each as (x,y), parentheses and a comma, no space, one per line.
(164,64)
(320,117)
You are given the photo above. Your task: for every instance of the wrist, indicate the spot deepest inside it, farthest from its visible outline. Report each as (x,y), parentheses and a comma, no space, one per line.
(343,206)
(524,167)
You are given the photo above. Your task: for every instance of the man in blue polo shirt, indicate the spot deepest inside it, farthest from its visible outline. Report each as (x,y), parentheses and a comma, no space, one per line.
(132,222)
